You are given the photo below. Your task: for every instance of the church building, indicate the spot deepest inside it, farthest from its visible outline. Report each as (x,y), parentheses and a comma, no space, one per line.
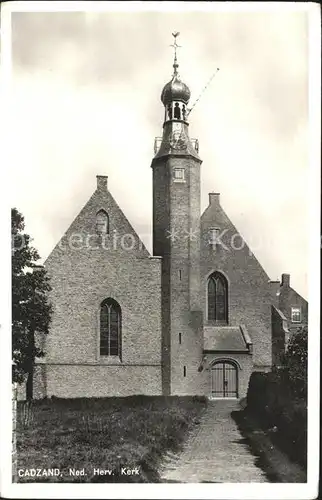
(194,318)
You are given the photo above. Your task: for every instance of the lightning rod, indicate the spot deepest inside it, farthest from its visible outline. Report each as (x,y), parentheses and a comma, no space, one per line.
(203,90)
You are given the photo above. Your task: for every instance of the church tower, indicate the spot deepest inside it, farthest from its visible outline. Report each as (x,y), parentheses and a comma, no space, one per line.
(176,237)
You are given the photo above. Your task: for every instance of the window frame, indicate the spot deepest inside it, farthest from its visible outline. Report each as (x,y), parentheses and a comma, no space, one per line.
(296,310)
(107,222)
(214,321)
(210,240)
(179,179)
(112,305)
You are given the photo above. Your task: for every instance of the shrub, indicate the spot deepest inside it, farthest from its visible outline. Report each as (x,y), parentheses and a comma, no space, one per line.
(295,361)
(270,398)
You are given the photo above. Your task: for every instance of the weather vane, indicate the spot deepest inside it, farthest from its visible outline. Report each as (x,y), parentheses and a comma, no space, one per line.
(175,46)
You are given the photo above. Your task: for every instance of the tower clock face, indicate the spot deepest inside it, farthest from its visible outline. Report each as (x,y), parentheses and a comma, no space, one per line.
(177,140)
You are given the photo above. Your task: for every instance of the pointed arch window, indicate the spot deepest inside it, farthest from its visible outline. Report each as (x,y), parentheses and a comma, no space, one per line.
(218,298)
(102,222)
(110,328)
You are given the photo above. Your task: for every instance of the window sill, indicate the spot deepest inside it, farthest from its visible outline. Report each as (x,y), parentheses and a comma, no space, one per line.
(216,323)
(110,360)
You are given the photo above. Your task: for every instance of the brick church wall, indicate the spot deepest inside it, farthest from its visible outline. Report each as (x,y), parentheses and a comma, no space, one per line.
(97,380)
(81,278)
(250,292)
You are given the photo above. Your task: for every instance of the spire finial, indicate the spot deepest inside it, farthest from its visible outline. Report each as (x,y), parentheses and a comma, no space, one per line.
(175,46)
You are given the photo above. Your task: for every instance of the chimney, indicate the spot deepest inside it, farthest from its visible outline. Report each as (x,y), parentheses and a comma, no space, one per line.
(285,280)
(102,182)
(214,198)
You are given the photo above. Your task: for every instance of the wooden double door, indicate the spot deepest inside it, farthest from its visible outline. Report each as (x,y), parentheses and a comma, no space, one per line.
(224,380)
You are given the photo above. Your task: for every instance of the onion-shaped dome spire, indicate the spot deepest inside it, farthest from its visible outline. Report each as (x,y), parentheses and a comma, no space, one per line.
(175,140)
(175,89)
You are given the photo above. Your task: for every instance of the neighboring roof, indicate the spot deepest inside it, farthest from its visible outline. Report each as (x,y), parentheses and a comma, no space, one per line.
(226,338)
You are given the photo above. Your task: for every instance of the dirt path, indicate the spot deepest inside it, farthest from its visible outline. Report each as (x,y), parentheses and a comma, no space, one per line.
(214,452)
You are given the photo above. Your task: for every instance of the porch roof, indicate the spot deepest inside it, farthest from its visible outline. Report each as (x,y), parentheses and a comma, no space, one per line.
(227,338)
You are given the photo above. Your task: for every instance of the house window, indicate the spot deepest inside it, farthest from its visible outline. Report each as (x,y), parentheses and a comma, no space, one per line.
(180,338)
(102,222)
(110,328)
(296,315)
(218,298)
(179,175)
(213,235)
(184,371)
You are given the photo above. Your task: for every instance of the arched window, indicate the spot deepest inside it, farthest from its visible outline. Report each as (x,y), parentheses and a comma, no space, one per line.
(218,298)
(102,222)
(110,328)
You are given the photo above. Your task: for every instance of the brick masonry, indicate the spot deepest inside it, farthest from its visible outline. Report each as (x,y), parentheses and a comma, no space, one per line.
(250,292)
(102,381)
(176,209)
(163,298)
(187,264)
(83,273)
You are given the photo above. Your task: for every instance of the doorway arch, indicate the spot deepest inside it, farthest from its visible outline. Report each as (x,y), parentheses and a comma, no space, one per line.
(224,379)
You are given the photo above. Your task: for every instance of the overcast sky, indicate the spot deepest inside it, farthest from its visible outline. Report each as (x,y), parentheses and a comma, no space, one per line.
(86,89)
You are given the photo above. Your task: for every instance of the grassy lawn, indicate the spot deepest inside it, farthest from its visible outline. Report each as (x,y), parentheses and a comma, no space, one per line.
(110,434)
